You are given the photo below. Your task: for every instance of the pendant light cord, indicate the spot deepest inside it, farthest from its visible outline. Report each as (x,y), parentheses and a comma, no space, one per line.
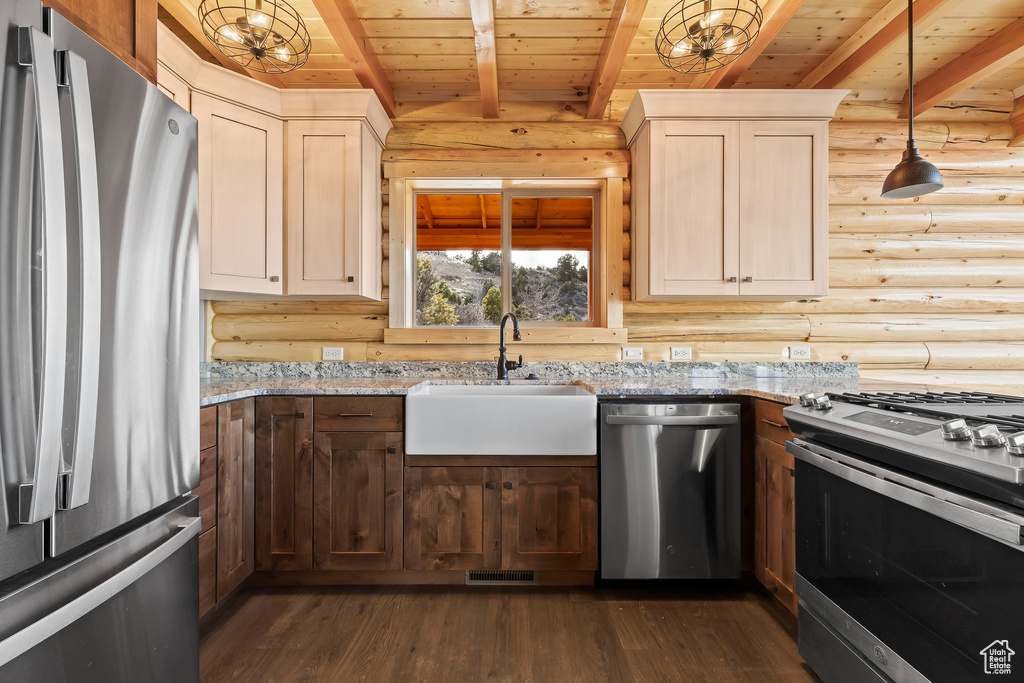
(910,68)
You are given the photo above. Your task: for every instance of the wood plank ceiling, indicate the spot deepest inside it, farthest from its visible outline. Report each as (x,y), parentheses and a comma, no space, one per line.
(464,59)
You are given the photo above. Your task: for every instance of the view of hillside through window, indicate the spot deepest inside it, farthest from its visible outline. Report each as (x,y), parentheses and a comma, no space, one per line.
(459,260)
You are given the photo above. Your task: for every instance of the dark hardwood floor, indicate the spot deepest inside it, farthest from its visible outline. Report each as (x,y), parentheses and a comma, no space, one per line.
(454,634)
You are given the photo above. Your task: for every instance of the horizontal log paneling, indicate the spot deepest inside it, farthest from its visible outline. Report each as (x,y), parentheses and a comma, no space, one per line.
(958,162)
(965,380)
(489,352)
(293,351)
(289,307)
(980,272)
(538,135)
(724,327)
(1007,355)
(867,355)
(935,246)
(977,191)
(875,327)
(909,218)
(299,327)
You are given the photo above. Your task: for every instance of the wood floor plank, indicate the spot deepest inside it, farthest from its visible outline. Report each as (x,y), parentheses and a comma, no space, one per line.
(459,634)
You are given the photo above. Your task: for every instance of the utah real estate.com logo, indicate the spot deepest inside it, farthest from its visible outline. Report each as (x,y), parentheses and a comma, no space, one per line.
(997,657)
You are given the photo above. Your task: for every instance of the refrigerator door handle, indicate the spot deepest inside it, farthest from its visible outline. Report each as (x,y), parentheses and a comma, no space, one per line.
(37,499)
(76,475)
(54,622)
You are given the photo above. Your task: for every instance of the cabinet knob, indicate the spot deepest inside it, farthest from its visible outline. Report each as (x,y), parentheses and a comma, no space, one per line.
(351,278)
(508,485)
(275,278)
(491,485)
(732,279)
(748,279)
(301,416)
(392,449)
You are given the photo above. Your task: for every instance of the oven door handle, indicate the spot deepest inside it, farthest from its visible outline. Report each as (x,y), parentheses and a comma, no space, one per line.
(879,480)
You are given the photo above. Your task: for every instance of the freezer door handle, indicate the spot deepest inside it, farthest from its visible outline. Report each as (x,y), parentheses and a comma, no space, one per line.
(37,499)
(82,396)
(674,420)
(55,621)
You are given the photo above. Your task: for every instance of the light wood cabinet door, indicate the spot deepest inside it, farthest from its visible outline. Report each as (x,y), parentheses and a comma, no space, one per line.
(690,232)
(284,483)
(549,518)
(235,530)
(774,521)
(240,199)
(357,500)
(334,210)
(452,518)
(783,208)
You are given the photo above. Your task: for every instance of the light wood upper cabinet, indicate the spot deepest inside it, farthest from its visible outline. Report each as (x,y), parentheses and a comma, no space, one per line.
(730,193)
(334,209)
(240,198)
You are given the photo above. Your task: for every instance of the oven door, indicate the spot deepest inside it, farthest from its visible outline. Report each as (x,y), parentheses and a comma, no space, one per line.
(925,583)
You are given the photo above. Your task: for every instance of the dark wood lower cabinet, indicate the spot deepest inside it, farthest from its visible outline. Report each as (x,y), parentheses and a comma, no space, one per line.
(284,483)
(774,521)
(207,570)
(357,500)
(542,518)
(452,518)
(549,518)
(235,514)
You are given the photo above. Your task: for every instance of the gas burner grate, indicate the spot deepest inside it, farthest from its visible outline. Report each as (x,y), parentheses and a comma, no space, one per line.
(918,398)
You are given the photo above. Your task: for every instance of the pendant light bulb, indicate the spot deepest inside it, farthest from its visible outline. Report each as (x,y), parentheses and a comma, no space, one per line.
(913,176)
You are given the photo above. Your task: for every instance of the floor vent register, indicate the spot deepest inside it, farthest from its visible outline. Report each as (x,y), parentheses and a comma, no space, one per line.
(505,577)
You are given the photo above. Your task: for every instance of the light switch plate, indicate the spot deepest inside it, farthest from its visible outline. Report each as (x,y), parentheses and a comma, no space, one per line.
(632,353)
(680,353)
(799,352)
(334,353)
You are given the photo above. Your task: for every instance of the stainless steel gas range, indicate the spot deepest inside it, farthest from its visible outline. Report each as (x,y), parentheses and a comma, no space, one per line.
(909,543)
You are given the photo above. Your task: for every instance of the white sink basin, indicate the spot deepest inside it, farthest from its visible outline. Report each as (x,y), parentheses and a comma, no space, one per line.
(501,419)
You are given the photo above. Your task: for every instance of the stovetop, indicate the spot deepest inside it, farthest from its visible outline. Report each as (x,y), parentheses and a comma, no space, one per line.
(912,424)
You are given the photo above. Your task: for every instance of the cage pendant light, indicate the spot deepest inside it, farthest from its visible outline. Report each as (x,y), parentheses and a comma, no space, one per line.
(697,36)
(261,35)
(913,176)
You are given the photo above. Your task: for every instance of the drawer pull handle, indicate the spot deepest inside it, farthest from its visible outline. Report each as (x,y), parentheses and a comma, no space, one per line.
(508,485)
(491,485)
(775,424)
(301,416)
(392,449)
(355,415)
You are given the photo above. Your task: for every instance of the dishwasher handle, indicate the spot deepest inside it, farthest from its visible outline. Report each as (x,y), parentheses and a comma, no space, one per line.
(674,420)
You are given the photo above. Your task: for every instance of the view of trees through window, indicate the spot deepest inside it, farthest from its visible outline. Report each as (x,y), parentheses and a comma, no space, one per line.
(459,260)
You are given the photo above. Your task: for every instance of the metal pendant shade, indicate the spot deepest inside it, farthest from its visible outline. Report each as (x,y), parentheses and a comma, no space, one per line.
(697,36)
(261,35)
(913,176)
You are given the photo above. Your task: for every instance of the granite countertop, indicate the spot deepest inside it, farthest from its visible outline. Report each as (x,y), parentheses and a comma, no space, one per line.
(782,389)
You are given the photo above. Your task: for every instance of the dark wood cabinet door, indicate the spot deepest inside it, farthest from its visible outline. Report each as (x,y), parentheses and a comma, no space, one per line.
(452,518)
(549,518)
(235,532)
(778,546)
(284,483)
(357,500)
(207,570)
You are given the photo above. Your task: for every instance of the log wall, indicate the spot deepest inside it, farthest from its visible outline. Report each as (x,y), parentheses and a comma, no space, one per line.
(929,289)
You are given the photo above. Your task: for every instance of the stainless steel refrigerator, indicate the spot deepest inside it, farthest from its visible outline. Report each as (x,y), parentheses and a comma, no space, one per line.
(99,364)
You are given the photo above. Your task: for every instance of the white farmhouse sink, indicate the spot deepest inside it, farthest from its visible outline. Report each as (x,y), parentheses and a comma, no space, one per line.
(501,419)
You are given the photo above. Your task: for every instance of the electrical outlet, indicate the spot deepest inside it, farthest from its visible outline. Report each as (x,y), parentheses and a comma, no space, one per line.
(799,352)
(334,353)
(632,353)
(681,353)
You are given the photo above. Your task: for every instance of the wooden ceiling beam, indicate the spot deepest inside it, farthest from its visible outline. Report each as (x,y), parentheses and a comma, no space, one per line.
(189,20)
(996,52)
(483,212)
(343,23)
(776,14)
(482,12)
(537,224)
(428,213)
(876,47)
(622,28)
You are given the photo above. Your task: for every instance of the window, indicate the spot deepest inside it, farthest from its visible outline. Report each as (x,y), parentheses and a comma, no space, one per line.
(480,254)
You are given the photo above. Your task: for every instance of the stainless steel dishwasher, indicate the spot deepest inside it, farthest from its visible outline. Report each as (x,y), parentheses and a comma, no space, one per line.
(670,490)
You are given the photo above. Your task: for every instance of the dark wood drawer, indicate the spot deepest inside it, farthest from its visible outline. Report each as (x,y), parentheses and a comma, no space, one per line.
(207,427)
(770,423)
(775,452)
(358,414)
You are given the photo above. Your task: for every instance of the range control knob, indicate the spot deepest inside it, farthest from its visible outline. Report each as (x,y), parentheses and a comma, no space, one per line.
(1015,444)
(955,430)
(807,400)
(987,436)
(821,403)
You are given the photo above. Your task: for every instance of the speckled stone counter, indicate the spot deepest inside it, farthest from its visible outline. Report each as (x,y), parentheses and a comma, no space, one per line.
(643,381)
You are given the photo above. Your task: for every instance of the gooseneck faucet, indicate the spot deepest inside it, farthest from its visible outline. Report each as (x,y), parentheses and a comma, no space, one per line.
(505,365)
